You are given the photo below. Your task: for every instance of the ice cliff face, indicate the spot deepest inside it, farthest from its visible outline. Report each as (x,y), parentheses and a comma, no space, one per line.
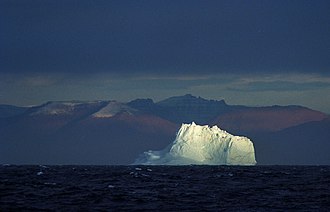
(196,144)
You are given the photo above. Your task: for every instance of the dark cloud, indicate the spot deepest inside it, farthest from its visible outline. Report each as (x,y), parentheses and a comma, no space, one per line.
(281,86)
(164,36)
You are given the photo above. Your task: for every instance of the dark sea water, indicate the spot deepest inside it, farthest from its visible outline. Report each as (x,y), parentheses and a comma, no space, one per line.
(167,188)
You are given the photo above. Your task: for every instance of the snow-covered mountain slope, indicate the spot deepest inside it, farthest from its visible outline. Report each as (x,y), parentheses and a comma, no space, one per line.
(195,144)
(113,108)
(64,107)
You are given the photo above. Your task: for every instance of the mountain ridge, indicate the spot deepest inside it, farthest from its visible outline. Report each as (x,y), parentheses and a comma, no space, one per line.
(90,132)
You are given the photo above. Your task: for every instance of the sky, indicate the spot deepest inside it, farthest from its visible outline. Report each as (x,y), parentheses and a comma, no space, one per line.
(256,52)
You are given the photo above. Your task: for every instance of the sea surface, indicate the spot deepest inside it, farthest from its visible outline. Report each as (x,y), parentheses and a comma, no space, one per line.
(165,188)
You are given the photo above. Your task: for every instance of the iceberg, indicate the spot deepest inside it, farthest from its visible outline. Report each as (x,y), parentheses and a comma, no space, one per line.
(202,145)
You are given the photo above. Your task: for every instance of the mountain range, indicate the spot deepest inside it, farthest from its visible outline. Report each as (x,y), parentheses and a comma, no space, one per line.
(111,132)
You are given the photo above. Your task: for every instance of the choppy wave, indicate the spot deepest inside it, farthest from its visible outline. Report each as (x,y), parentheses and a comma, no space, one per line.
(164,188)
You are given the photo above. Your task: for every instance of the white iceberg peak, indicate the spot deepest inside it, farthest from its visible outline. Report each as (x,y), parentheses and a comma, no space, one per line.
(195,144)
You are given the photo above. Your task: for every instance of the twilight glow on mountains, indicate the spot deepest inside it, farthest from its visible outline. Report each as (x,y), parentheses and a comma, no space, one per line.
(246,52)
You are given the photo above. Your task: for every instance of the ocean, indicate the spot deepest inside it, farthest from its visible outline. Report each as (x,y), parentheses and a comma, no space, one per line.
(164,188)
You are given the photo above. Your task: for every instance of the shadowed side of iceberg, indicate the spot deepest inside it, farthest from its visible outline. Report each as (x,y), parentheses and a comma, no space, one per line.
(203,145)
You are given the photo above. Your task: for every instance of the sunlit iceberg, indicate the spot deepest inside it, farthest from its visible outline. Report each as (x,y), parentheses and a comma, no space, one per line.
(195,144)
